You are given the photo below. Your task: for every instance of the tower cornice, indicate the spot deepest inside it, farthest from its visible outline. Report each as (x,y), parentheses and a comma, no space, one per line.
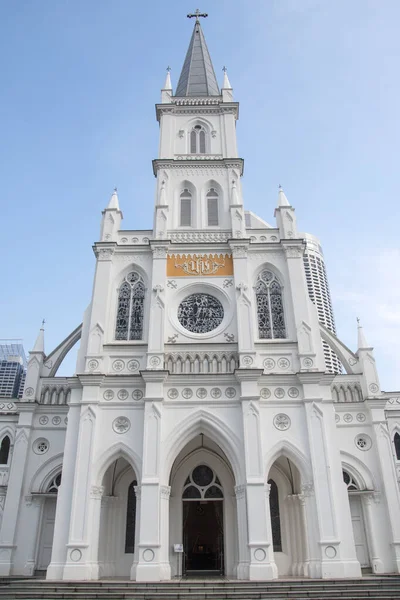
(189,106)
(200,164)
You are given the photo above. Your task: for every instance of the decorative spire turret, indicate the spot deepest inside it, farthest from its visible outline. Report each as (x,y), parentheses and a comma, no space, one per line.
(111,221)
(361,340)
(166,92)
(282,200)
(285,216)
(39,344)
(197,76)
(227,92)
(114,203)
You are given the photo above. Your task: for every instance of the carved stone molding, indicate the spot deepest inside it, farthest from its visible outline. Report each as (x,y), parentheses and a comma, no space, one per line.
(165,491)
(96,491)
(307,489)
(240,491)
(293,251)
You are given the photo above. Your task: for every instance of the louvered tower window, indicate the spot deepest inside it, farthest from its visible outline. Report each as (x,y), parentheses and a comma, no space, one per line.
(271,319)
(212,207)
(130,308)
(197,140)
(186,208)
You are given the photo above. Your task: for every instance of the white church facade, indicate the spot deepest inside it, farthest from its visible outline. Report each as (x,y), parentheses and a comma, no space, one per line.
(202,432)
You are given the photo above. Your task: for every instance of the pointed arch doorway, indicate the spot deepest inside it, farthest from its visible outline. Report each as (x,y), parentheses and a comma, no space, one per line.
(203,523)
(203,515)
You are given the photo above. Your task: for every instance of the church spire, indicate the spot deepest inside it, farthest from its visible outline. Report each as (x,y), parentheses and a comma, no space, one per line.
(114,203)
(362,342)
(282,200)
(197,76)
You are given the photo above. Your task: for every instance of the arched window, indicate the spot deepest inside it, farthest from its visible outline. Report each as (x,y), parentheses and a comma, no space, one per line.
(54,484)
(4,450)
(212,207)
(130,519)
(202,483)
(130,308)
(186,208)
(396,441)
(349,481)
(271,320)
(275,516)
(197,140)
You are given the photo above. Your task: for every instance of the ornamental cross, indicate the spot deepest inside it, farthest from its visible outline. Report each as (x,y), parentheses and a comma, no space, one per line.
(197,14)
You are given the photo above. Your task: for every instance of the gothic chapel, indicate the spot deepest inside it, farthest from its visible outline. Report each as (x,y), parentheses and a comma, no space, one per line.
(207,428)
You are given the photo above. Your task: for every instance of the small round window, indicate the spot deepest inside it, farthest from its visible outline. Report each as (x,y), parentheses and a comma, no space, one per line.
(200,313)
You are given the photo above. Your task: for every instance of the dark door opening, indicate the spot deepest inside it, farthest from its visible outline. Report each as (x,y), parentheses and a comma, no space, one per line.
(203,537)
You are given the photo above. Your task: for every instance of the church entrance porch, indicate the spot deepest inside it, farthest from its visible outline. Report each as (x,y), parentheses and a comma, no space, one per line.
(203,516)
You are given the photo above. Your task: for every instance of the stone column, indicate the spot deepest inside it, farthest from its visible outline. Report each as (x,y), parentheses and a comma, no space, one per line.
(138,490)
(305,545)
(14,490)
(35,505)
(242,569)
(290,507)
(368,501)
(165,492)
(64,496)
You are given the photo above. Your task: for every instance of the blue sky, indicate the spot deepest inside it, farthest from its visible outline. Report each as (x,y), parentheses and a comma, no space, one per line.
(318,86)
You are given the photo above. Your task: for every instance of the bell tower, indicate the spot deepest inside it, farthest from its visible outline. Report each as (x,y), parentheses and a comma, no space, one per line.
(198,171)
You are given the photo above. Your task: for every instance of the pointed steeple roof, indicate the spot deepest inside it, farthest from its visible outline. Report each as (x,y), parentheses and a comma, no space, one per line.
(282,200)
(362,342)
(197,75)
(167,84)
(113,200)
(226,84)
(39,344)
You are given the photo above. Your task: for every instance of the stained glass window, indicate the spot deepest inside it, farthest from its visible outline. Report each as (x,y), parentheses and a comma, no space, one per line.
(130,308)
(202,483)
(349,481)
(54,484)
(130,519)
(200,313)
(275,516)
(271,320)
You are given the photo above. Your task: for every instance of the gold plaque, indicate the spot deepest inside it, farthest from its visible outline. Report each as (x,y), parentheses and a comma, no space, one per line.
(199,265)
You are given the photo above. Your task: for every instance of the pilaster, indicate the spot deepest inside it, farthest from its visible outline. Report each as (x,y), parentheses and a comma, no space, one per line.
(14,491)
(155,351)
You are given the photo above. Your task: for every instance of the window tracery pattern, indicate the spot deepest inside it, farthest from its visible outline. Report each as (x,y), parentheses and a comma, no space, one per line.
(275,516)
(271,319)
(186,208)
(200,313)
(54,484)
(198,140)
(349,481)
(130,519)
(212,208)
(202,483)
(130,308)
(4,450)
(396,441)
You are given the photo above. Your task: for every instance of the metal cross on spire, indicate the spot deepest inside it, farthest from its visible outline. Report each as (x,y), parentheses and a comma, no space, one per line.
(197,14)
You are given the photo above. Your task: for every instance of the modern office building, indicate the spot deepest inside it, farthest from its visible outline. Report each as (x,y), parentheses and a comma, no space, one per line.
(12,368)
(318,289)
(202,431)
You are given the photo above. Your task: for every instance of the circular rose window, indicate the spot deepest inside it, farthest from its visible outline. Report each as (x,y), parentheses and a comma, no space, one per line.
(200,313)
